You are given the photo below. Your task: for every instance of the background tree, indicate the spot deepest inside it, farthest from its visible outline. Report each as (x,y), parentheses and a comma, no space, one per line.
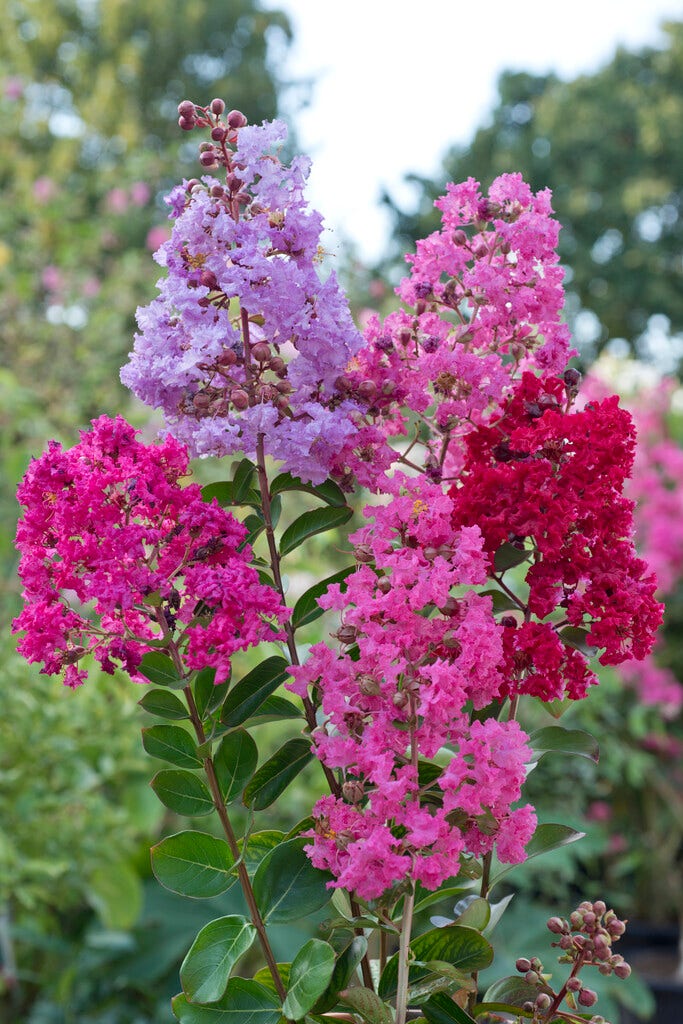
(90,143)
(609,146)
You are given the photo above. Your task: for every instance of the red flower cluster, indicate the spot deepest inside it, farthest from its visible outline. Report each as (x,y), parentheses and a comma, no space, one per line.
(547,479)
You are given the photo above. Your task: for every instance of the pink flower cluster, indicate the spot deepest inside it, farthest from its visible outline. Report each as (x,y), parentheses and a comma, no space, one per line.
(483,299)
(116,555)
(398,689)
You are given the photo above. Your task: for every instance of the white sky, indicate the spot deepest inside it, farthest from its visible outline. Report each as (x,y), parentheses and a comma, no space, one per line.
(398,81)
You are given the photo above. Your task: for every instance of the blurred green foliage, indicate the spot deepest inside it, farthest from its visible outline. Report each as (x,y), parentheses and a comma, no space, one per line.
(609,146)
(90,144)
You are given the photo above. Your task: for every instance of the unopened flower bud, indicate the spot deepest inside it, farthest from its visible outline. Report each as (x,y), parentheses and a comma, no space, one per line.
(615,927)
(208,158)
(277,365)
(186,124)
(543,1001)
(217,106)
(623,970)
(186,109)
(346,634)
(369,686)
(239,398)
(218,133)
(261,351)
(587,997)
(459,237)
(599,907)
(236,119)
(367,389)
(572,377)
(363,553)
(353,791)
(227,358)
(554,924)
(574,984)
(384,585)
(522,964)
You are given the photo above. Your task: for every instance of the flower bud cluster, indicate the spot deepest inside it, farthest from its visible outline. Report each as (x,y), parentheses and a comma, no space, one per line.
(246,342)
(586,940)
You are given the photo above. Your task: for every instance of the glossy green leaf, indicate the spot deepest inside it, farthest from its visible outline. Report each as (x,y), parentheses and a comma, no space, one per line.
(207,967)
(476,915)
(265,978)
(207,695)
(258,845)
(246,696)
(567,741)
(171,743)
(454,892)
(507,556)
(235,761)
(310,974)
(546,838)
(307,608)
(440,1009)
(275,774)
(316,521)
(224,493)
(513,990)
(244,1002)
(347,962)
(368,1004)
(578,638)
(287,886)
(500,600)
(160,670)
(462,947)
(328,491)
(274,709)
(193,864)
(164,704)
(497,911)
(182,792)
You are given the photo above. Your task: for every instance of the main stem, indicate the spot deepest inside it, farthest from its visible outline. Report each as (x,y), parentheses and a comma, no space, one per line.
(404,956)
(309,709)
(242,872)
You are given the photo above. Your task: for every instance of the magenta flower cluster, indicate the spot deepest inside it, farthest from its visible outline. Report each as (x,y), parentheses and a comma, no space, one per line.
(117,555)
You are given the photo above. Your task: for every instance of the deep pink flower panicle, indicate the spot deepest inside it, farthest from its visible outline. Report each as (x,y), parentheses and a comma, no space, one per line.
(116,554)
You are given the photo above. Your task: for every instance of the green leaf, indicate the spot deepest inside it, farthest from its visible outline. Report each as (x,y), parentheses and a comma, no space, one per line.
(208,696)
(258,845)
(246,697)
(513,990)
(265,978)
(243,477)
(164,704)
(160,670)
(440,1009)
(182,792)
(207,967)
(476,915)
(578,638)
(501,602)
(546,838)
(455,892)
(311,971)
(307,608)
(224,493)
(568,741)
(274,709)
(369,1005)
(462,947)
(171,743)
(273,777)
(235,762)
(193,864)
(507,556)
(244,1002)
(287,886)
(316,521)
(328,491)
(347,962)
